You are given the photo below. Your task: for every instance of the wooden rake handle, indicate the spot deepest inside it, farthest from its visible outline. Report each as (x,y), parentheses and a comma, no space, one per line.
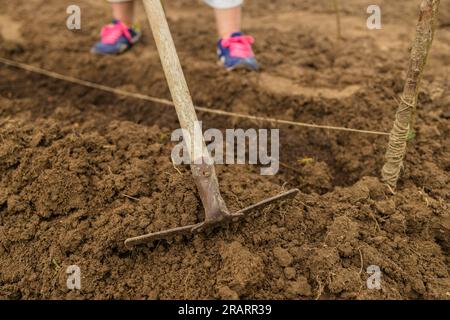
(171,65)
(203,171)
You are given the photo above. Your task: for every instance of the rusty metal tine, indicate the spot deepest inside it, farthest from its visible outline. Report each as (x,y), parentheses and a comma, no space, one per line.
(166,234)
(268,201)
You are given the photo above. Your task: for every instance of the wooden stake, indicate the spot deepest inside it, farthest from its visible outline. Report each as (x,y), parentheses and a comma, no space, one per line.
(337,9)
(404,119)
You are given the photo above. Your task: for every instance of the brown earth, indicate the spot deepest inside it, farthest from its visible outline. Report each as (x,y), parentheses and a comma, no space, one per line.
(81,170)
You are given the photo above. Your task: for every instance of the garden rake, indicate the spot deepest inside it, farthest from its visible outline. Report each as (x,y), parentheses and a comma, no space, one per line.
(203,171)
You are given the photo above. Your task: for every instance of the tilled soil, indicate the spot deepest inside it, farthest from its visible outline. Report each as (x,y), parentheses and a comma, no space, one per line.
(81,169)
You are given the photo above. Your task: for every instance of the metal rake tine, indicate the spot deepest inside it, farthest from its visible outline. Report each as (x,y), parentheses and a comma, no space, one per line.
(165,234)
(280,197)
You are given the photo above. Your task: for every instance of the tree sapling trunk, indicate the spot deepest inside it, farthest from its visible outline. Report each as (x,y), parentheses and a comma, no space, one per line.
(404,119)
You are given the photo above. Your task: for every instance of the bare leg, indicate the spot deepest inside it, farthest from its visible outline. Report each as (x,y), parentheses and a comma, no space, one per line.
(123,11)
(228,21)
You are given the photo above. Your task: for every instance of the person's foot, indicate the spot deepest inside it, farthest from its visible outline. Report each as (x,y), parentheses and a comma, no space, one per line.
(116,38)
(236,52)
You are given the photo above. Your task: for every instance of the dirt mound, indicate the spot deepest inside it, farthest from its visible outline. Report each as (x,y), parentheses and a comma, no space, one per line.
(72,198)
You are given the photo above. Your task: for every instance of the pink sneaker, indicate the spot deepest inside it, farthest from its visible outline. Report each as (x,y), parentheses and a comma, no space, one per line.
(116,38)
(236,52)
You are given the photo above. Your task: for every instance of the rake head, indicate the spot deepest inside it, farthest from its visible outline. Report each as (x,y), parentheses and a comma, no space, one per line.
(209,224)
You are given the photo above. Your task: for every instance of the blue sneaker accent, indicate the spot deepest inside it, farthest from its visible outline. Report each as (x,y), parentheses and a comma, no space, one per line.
(236,52)
(116,39)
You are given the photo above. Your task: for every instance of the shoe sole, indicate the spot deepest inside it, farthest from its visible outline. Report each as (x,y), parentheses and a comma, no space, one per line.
(122,50)
(241,65)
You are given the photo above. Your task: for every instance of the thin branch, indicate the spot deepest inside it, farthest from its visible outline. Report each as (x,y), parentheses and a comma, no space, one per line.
(404,119)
